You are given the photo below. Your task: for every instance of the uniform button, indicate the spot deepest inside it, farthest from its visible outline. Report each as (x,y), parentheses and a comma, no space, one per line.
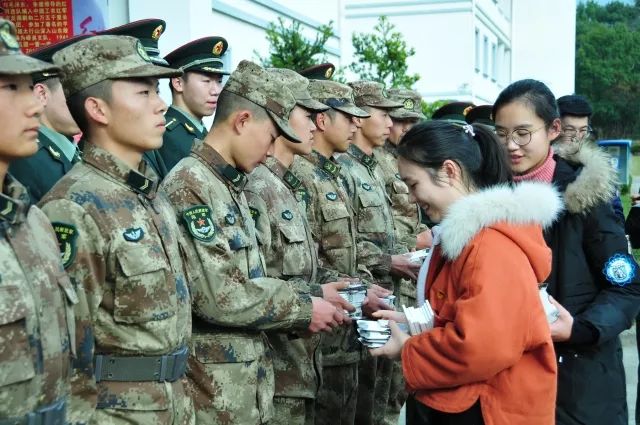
(440,295)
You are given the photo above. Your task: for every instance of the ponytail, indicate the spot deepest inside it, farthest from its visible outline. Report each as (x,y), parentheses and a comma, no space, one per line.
(495,168)
(475,148)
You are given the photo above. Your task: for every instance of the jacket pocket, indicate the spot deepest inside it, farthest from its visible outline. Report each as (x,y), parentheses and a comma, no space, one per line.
(336,223)
(16,358)
(294,250)
(371,216)
(217,348)
(144,291)
(237,238)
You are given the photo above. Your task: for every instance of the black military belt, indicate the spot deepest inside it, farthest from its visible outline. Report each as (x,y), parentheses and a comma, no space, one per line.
(53,414)
(169,368)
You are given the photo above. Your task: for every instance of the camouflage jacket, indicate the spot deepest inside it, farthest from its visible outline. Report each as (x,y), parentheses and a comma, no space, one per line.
(374,221)
(277,201)
(406,215)
(36,309)
(120,246)
(232,299)
(331,219)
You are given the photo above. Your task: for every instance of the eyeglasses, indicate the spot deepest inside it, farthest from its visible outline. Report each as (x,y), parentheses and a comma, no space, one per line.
(520,136)
(577,135)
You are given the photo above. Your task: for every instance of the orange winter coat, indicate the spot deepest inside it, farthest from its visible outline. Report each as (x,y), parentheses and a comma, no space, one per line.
(491,340)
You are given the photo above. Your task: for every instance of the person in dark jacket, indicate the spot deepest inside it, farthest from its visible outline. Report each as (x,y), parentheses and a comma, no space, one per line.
(575,119)
(594,281)
(632,227)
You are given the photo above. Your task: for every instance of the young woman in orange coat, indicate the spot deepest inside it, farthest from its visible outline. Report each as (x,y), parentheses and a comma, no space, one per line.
(489,358)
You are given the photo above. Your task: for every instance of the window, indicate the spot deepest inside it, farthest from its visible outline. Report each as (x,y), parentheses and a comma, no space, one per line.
(494,62)
(485,56)
(477,44)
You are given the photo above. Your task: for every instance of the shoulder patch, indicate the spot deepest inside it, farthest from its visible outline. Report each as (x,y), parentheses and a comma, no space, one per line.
(133,234)
(255,214)
(620,269)
(66,235)
(171,124)
(199,222)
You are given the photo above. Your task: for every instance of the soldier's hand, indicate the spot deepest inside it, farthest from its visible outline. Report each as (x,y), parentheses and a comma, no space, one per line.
(378,291)
(330,293)
(373,303)
(401,266)
(322,316)
(341,317)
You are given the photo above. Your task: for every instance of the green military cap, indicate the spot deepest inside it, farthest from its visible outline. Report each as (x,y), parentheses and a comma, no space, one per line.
(372,93)
(454,111)
(12,60)
(411,104)
(148,31)
(255,84)
(481,115)
(336,95)
(105,57)
(201,55)
(46,54)
(324,71)
(298,85)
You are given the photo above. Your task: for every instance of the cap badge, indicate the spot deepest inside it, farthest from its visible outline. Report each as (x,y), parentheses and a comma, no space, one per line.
(8,38)
(142,52)
(328,73)
(466,110)
(157,32)
(408,104)
(217,48)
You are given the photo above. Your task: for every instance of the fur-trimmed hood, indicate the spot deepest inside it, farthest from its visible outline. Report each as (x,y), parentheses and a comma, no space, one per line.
(525,203)
(595,182)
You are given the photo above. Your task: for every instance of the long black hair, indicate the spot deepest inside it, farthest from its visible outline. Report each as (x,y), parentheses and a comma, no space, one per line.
(475,148)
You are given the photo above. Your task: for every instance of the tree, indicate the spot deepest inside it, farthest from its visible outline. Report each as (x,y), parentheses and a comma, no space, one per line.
(288,48)
(382,56)
(608,66)
(429,108)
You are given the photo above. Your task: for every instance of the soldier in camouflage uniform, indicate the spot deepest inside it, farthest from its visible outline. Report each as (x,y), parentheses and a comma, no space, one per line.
(406,214)
(56,152)
(230,368)
(277,200)
(332,222)
(375,234)
(36,296)
(120,243)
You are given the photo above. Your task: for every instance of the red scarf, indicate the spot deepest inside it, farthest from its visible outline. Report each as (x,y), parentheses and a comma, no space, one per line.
(543,173)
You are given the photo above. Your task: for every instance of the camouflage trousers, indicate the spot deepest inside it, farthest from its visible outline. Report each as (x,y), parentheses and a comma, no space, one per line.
(292,411)
(337,398)
(239,392)
(176,410)
(374,383)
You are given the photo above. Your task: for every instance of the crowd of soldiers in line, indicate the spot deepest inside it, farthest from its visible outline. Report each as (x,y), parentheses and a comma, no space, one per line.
(170,274)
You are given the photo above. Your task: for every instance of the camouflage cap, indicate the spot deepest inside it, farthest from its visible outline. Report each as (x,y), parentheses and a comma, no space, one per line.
(411,104)
(148,31)
(299,88)
(481,115)
(46,54)
(255,84)
(454,111)
(324,71)
(201,55)
(372,93)
(336,95)
(106,57)
(12,60)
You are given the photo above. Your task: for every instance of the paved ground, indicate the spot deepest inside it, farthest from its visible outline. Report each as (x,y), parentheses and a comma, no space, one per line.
(631,367)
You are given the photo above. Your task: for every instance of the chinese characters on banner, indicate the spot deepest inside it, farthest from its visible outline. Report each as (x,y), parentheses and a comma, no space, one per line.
(43,22)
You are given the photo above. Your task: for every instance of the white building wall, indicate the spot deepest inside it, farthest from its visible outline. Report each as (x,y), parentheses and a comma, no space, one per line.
(544,39)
